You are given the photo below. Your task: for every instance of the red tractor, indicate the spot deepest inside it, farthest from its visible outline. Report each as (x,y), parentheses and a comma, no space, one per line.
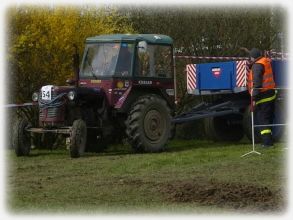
(124,87)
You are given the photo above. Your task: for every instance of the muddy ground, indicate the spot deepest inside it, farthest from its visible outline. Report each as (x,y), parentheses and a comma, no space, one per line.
(225,195)
(229,196)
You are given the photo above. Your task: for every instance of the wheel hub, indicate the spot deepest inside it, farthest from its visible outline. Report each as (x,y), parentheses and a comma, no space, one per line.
(153,125)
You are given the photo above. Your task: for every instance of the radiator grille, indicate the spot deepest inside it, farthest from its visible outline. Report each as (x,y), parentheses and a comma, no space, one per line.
(42,113)
(49,112)
(52,112)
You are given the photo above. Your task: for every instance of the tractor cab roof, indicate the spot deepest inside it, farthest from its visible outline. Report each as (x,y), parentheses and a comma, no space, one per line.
(149,38)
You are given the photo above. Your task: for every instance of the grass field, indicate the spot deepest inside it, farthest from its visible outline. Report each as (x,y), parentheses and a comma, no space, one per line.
(190,177)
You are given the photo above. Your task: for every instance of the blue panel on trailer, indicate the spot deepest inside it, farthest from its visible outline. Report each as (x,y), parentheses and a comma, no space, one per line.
(216,76)
(280,73)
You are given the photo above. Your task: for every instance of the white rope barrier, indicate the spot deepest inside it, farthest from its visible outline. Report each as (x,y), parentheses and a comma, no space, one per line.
(211,57)
(270,125)
(18,105)
(224,58)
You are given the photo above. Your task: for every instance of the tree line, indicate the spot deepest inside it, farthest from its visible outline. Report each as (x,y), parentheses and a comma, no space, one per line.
(40,40)
(211,31)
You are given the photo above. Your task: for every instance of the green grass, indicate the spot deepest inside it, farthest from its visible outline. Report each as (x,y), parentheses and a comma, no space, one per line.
(119,181)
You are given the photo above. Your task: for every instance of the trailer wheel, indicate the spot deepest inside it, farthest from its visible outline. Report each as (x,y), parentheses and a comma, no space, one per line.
(148,125)
(224,128)
(78,138)
(247,126)
(21,139)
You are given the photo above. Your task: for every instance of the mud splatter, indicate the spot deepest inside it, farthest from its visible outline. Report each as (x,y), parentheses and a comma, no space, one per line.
(236,196)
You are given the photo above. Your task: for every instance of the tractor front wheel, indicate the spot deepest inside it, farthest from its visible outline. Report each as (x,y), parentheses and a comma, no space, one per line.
(21,139)
(78,138)
(149,124)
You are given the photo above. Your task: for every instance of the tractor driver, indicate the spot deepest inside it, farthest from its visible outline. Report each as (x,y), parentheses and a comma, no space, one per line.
(123,66)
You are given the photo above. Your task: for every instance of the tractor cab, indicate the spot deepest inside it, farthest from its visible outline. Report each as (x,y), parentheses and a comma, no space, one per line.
(145,55)
(122,62)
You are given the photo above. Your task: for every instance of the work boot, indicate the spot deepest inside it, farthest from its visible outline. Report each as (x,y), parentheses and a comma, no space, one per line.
(267,141)
(264,146)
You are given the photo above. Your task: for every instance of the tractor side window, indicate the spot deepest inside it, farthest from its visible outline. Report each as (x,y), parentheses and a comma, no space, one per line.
(155,62)
(163,61)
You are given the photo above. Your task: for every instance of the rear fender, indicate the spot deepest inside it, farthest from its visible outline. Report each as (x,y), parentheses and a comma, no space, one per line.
(133,93)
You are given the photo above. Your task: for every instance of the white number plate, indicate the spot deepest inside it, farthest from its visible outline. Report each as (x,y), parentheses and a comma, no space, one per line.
(46,92)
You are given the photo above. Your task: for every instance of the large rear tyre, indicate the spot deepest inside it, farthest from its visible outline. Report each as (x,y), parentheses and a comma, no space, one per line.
(21,139)
(224,128)
(78,138)
(148,126)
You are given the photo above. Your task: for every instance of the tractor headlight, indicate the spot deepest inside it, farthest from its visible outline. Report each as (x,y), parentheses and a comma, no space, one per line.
(71,95)
(35,96)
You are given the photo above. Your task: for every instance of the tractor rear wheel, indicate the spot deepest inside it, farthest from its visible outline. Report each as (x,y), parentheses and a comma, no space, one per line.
(224,128)
(78,138)
(148,125)
(21,139)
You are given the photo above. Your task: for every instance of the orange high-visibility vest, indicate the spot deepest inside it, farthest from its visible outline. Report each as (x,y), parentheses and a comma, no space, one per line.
(267,79)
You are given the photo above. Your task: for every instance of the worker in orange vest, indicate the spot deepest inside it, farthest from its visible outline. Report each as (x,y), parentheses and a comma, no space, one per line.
(261,86)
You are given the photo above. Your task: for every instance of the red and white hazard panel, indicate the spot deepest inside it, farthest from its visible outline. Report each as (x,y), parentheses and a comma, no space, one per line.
(191,77)
(241,73)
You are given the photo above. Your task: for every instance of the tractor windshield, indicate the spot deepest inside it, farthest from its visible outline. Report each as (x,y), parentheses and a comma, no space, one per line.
(107,59)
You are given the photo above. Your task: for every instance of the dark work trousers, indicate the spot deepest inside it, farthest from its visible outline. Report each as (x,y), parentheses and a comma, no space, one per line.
(265,114)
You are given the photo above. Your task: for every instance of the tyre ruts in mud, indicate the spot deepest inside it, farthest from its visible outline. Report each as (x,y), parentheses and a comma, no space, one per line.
(235,196)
